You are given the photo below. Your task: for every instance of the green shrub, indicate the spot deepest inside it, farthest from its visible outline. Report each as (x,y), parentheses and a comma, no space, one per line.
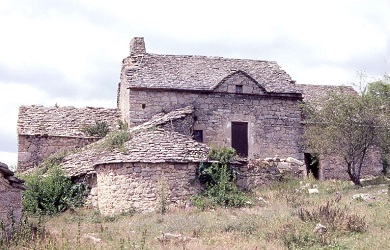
(116,140)
(51,193)
(218,178)
(100,129)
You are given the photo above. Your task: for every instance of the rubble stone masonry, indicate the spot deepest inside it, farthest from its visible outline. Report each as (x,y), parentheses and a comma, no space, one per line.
(274,123)
(142,186)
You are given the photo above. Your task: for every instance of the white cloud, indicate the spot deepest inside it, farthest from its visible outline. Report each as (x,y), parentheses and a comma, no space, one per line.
(70,52)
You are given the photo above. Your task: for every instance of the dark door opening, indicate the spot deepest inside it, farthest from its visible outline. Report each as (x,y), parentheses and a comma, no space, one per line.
(312,165)
(240,138)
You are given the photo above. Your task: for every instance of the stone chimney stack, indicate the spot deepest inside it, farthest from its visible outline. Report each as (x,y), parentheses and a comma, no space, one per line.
(137,46)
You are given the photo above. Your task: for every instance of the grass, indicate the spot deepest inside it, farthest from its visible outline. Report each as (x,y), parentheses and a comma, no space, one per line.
(275,221)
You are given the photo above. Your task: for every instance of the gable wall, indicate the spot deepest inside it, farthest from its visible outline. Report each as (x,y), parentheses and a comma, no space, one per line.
(273,124)
(249,86)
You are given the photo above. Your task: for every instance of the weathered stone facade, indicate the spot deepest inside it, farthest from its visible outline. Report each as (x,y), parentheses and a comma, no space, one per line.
(142,186)
(34,149)
(10,197)
(274,122)
(43,131)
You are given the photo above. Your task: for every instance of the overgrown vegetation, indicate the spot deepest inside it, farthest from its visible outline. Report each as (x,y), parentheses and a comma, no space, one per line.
(218,178)
(99,128)
(270,223)
(51,193)
(116,140)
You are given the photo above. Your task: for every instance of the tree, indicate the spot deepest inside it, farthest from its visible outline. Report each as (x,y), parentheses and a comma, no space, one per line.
(346,126)
(380,90)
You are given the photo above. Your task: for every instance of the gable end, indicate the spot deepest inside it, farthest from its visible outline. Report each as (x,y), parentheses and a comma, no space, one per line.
(239,82)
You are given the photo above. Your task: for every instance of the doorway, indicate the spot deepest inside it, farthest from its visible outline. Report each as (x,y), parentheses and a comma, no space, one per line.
(312,165)
(240,138)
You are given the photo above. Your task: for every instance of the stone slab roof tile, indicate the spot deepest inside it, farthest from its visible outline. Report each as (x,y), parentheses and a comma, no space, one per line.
(201,72)
(316,93)
(144,138)
(62,121)
(159,146)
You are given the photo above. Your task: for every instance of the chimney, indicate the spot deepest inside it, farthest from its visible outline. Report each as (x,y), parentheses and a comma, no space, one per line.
(137,46)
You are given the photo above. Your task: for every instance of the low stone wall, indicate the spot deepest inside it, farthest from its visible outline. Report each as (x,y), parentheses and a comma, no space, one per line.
(10,197)
(142,186)
(260,172)
(34,149)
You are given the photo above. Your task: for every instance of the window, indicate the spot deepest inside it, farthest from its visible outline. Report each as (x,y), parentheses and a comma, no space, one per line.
(238,89)
(198,135)
(143,106)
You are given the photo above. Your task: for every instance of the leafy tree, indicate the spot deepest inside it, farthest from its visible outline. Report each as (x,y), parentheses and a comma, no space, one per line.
(346,126)
(380,90)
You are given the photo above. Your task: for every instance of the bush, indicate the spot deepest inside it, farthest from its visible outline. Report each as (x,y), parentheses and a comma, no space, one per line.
(116,140)
(335,218)
(100,129)
(51,193)
(218,178)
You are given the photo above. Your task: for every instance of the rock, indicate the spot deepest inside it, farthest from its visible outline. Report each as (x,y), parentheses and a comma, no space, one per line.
(319,229)
(313,191)
(262,199)
(176,238)
(293,160)
(364,197)
(92,237)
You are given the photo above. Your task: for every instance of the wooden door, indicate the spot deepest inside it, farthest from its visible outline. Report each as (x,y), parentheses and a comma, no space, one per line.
(240,138)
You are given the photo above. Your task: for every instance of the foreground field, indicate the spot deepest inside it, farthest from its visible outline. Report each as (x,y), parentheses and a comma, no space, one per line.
(283,216)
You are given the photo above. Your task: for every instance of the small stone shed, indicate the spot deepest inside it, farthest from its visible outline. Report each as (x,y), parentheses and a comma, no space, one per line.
(157,165)
(162,149)
(10,197)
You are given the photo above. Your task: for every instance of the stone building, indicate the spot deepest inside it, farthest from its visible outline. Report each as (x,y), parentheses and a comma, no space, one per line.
(174,105)
(10,197)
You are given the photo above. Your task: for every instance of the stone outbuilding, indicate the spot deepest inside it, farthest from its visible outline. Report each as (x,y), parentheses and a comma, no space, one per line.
(10,197)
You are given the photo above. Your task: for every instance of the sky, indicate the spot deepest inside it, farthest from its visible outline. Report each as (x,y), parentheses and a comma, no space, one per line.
(69,52)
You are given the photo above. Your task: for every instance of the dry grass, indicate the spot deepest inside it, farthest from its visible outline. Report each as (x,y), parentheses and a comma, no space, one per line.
(272,223)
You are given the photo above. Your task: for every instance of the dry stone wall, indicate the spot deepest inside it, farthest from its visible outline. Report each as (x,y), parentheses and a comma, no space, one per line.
(34,149)
(273,123)
(141,186)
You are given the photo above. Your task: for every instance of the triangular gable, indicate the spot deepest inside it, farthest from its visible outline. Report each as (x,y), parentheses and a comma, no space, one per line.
(239,80)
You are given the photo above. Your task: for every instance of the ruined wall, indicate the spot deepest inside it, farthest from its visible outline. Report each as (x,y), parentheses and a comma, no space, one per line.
(333,167)
(33,149)
(10,197)
(260,172)
(126,186)
(273,123)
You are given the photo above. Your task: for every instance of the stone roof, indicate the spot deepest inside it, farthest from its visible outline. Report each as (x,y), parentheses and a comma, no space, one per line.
(159,146)
(316,93)
(7,177)
(147,135)
(202,73)
(63,121)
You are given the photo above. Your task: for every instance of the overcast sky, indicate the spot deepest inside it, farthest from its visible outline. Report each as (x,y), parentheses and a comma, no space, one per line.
(70,52)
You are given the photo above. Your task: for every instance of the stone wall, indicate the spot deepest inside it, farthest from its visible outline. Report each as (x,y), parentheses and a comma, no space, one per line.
(333,167)
(140,186)
(10,197)
(273,122)
(34,149)
(260,172)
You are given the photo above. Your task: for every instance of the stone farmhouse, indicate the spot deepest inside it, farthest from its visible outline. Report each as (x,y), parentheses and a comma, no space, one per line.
(176,108)
(11,198)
